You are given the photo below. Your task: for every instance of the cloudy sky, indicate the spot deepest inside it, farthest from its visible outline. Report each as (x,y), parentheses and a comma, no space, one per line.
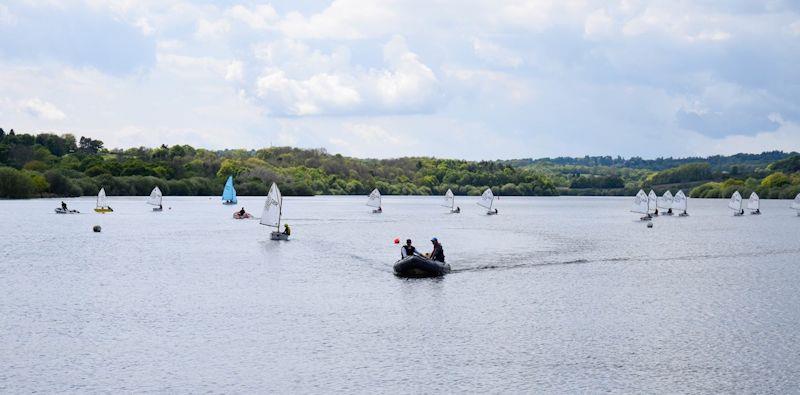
(370,78)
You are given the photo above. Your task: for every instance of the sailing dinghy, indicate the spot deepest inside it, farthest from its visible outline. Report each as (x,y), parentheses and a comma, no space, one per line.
(735,204)
(450,202)
(641,205)
(680,203)
(754,204)
(229,192)
(487,200)
(155,199)
(271,216)
(374,200)
(665,203)
(652,203)
(102,202)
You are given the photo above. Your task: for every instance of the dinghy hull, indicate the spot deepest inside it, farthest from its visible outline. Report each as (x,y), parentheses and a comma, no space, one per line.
(245,216)
(62,211)
(104,210)
(418,267)
(279,236)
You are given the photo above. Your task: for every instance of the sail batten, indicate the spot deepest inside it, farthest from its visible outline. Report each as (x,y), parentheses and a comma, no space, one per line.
(640,203)
(487,199)
(155,197)
(374,199)
(271,216)
(229,192)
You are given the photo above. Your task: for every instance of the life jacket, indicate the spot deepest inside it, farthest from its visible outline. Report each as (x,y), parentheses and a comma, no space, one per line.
(438,253)
(287,230)
(410,250)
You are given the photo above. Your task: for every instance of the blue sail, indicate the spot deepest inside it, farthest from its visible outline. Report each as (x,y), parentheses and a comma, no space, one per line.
(229,193)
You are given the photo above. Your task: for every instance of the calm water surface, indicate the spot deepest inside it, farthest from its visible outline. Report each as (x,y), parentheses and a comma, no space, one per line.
(552,295)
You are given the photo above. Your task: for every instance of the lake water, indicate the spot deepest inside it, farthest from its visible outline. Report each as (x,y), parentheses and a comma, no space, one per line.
(552,295)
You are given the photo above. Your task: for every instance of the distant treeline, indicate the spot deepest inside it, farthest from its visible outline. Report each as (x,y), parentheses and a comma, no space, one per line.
(48,164)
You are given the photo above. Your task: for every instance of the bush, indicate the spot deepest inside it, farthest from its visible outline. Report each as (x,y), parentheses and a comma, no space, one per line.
(15,184)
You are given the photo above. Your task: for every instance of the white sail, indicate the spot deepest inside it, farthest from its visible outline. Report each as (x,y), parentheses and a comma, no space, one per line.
(796,202)
(155,197)
(102,200)
(736,202)
(753,203)
(271,216)
(487,198)
(652,200)
(449,199)
(665,201)
(679,201)
(640,203)
(374,198)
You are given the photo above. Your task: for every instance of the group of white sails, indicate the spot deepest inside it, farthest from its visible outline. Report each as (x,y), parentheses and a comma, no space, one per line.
(486,200)
(649,203)
(753,204)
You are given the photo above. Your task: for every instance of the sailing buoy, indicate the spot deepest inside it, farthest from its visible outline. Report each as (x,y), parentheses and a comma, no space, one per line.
(97,229)
(397,241)
(649,224)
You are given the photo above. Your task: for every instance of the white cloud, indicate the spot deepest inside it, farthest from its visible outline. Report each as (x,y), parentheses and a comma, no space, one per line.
(207,29)
(598,25)
(235,71)
(260,17)
(42,109)
(343,19)
(495,54)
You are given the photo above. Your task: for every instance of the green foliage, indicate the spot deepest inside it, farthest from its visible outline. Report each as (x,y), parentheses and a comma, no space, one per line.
(684,173)
(15,184)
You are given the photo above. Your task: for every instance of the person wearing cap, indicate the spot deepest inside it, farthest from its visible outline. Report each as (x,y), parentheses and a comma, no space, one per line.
(438,252)
(407,250)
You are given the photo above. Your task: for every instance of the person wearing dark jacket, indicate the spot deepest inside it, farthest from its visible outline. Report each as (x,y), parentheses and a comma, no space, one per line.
(407,250)
(438,252)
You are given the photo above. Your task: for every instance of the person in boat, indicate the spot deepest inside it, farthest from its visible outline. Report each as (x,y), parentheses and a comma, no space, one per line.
(669,211)
(495,211)
(458,209)
(241,212)
(379,210)
(407,250)
(758,211)
(63,206)
(160,207)
(287,230)
(741,212)
(438,252)
(656,213)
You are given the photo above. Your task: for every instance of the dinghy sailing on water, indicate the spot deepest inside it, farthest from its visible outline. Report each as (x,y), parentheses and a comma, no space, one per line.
(680,202)
(271,216)
(487,200)
(450,202)
(652,202)
(155,199)
(374,200)
(796,204)
(229,192)
(665,202)
(754,204)
(736,204)
(641,205)
(102,202)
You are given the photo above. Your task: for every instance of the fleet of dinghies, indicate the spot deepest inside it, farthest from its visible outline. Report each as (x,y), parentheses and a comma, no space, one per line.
(648,204)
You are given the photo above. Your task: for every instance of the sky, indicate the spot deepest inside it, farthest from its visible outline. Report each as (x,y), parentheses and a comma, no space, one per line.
(470,79)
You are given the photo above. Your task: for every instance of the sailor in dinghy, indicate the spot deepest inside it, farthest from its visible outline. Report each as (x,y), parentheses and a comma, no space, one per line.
(374,200)
(271,216)
(735,204)
(680,203)
(486,201)
(155,199)
(754,204)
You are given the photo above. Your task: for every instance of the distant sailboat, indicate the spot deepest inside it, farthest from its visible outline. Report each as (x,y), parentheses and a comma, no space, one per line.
(271,216)
(796,204)
(229,192)
(450,202)
(374,200)
(735,204)
(652,202)
(665,203)
(641,205)
(680,202)
(102,202)
(155,199)
(754,204)
(487,200)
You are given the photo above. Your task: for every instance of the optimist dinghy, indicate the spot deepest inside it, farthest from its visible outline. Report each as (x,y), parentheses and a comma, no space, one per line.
(641,205)
(374,200)
(680,203)
(754,204)
(665,203)
(735,204)
(487,200)
(271,216)
(155,199)
(102,203)
(450,202)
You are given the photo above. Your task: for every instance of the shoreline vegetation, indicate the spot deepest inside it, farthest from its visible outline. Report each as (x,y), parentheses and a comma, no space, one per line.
(51,165)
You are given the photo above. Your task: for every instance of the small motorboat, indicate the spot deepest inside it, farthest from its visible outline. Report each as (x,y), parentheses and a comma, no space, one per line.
(417,266)
(64,211)
(236,215)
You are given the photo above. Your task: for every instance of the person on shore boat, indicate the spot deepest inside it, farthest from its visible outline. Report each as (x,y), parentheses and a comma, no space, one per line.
(438,251)
(407,250)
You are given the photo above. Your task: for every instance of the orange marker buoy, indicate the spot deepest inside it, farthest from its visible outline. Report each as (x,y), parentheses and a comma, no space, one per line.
(397,241)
